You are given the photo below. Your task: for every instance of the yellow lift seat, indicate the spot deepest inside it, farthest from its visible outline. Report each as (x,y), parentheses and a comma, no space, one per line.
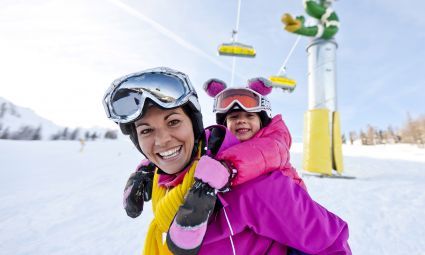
(283,82)
(236,49)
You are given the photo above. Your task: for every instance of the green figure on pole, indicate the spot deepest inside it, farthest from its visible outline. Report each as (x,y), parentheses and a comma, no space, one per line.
(328,22)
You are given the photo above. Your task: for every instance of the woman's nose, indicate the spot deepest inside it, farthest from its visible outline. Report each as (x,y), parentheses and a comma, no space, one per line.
(162,137)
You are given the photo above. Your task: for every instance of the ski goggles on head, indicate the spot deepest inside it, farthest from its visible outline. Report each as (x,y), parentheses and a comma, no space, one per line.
(248,99)
(125,99)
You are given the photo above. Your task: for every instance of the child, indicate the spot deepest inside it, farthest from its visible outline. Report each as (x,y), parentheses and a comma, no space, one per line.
(264,142)
(247,114)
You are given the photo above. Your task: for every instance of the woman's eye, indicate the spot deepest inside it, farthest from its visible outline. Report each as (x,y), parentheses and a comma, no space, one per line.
(173,122)
(145,131)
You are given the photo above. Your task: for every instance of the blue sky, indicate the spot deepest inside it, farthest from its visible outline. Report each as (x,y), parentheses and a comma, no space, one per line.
(58,57)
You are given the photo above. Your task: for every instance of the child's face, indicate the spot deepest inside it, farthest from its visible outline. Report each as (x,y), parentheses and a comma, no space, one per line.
(243,125)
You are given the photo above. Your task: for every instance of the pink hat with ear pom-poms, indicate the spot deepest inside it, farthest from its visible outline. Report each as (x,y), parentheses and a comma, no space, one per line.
(260,85)
(214,86)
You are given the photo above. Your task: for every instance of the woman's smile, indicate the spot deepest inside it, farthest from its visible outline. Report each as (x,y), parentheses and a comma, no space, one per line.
(170,154)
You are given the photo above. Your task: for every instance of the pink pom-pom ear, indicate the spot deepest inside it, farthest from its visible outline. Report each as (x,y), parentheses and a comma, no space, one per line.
(214,86)
(260,85)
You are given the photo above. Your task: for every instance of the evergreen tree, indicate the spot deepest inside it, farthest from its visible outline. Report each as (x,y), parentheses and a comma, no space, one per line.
(37,134)
(94,136)
(5,134)
(74,135)
(111,134)
(65,134)
(87,135)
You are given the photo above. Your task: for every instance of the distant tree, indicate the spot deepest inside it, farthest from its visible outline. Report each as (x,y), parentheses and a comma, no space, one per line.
(37,134)
(24,133)
(379,136)
(389,135)
(343,139)
(370,136)
(5,134)
(65,134)
(421,129)
(111,134)
(94,136)
(353,137)
(363,137)
(414,131)
(74,135)
(56,136)
(87,135)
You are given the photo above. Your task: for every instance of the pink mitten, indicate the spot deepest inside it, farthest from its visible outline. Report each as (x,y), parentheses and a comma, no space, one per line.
(212,172)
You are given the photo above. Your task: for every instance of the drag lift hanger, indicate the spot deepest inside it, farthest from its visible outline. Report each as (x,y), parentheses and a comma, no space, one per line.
(281,80)
(235,48)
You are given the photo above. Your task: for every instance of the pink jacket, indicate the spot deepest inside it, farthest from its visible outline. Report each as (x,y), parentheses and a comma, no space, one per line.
(270,213)
(268,150)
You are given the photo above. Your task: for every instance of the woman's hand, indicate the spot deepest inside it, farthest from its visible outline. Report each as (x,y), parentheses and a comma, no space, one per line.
(138,189)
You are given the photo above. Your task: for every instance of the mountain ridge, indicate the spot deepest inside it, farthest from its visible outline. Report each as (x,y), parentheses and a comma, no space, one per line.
(23,123)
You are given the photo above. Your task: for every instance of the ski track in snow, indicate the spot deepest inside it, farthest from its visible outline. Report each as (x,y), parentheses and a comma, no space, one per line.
(57,200)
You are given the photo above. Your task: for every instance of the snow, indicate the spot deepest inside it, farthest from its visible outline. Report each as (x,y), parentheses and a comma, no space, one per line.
(57,199)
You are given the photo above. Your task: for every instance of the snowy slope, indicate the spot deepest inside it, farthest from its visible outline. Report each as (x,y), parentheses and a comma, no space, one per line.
(55,199)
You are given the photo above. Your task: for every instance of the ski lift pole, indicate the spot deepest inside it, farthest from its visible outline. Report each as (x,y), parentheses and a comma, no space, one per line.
(234,35)
(234,39)
(233,71)
(283,67)
(235,32)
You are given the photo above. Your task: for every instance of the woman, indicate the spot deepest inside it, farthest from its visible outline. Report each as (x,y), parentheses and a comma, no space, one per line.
(159,109)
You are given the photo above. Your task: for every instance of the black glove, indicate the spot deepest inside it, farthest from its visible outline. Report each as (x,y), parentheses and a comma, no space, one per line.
(215,140)
(138,189)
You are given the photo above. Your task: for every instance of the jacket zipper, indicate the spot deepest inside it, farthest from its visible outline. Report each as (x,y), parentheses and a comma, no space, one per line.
(231,232)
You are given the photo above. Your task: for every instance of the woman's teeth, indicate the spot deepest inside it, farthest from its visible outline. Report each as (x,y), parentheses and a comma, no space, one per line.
(170,153)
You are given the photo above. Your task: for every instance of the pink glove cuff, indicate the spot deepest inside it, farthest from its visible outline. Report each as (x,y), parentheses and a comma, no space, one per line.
(212,172)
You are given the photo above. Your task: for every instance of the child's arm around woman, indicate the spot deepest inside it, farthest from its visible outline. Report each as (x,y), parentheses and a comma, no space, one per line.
(268,150)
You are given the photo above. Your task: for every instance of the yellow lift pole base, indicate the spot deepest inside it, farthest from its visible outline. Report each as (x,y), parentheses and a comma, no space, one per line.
(321,152)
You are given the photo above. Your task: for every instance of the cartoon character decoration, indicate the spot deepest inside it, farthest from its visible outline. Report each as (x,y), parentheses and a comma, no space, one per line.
(328,22)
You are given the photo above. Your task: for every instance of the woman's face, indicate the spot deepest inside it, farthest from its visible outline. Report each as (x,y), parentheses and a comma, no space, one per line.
(166,138)
(243,125)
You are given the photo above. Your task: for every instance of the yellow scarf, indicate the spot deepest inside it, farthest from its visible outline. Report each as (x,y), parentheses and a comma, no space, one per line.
(165,205)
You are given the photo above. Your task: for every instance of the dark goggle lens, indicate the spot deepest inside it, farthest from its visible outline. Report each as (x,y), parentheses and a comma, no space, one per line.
(125,102)
(127,99)
(246,98)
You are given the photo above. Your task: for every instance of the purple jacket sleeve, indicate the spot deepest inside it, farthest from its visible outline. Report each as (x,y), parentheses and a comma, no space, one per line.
(274,206)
